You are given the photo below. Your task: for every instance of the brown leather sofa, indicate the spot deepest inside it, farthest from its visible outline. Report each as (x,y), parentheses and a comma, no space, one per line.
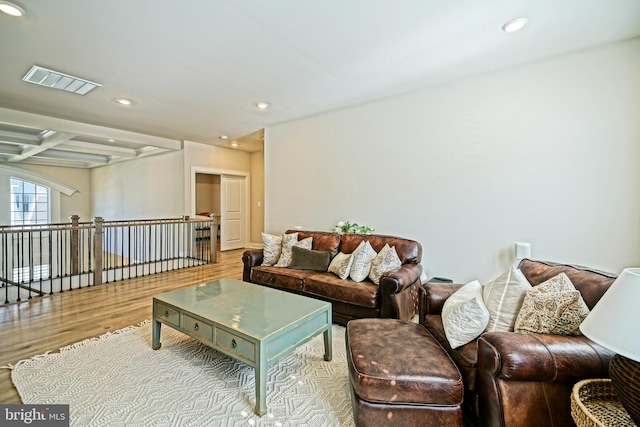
(514,379)
(349,299)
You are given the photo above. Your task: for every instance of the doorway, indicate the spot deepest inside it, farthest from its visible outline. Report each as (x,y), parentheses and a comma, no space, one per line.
(224,194)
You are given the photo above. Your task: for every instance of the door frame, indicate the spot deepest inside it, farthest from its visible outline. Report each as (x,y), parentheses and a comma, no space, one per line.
(214,171)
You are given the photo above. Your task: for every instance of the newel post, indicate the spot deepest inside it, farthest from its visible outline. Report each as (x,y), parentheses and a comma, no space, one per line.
(213,239)
(97,250)
(75,269)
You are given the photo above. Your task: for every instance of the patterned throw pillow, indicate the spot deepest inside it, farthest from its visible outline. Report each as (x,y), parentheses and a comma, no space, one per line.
(287,244)
(464,315)
(503,297)
(386,260)
(271,248)
(341,265)
(554,307)
(362,257)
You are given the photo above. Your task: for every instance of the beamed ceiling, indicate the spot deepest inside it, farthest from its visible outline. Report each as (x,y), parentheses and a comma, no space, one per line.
(196,70)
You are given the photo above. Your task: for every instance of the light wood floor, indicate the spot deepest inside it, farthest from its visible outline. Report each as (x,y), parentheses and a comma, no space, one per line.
(48,323)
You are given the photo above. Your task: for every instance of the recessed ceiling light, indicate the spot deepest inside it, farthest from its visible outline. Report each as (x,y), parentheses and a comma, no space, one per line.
(124,101)
(11,9)
(514,25)
(234,144)
(223,137)
(263,105)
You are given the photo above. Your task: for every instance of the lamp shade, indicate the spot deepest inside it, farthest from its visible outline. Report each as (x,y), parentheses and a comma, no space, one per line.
(614,321)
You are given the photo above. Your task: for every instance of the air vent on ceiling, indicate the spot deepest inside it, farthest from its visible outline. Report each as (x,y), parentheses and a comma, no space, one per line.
(57,80)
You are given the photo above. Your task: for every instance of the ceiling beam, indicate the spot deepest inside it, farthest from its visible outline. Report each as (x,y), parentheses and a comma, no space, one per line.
(93,148)
(18,138)
(21,118)
(46,144)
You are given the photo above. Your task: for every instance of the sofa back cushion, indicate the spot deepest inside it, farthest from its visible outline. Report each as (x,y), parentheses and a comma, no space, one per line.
(409,251)
(322,241)
(591,283)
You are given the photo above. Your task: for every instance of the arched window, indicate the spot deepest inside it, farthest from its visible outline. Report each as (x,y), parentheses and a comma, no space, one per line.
(30,203)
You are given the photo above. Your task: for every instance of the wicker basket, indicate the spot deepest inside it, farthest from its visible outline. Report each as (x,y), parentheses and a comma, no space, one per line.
(594,404)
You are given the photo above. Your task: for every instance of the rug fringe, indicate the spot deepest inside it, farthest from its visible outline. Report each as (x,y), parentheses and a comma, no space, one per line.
(36,357)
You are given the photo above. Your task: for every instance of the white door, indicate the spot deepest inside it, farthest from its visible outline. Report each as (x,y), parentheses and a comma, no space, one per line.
(232,220)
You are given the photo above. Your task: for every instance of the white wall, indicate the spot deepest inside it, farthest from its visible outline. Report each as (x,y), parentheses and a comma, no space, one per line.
(150,187)
(257,197)
(545,153)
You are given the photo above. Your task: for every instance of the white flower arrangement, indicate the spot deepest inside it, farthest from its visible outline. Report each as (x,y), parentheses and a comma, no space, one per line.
(347,227)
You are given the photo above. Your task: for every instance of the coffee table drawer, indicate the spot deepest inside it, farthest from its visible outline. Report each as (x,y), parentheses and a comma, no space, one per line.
(167,314)
(236,345)
(197,328)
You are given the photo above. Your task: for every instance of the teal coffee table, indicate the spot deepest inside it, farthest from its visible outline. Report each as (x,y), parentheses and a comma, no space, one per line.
(251,323)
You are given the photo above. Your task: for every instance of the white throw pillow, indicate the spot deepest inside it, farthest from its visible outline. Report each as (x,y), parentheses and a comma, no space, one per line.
(503,297)
(386,260)
(341,265)
(362,257)
(271,248)
(464,315)
(287,244)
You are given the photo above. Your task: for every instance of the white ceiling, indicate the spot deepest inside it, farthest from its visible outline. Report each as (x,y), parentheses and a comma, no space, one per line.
(196,69)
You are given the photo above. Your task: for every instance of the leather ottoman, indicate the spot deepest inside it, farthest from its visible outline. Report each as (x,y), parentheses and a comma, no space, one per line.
(401,376)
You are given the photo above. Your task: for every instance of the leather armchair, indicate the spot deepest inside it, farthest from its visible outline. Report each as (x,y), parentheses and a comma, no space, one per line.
(514,379)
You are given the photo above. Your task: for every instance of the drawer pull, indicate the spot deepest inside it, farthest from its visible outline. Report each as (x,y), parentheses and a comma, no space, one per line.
(166,313)
(234,344)
(196,327)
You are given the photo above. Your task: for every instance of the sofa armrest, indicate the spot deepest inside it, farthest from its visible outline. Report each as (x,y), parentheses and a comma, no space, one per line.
(538,357)
(394,282)
(251,258)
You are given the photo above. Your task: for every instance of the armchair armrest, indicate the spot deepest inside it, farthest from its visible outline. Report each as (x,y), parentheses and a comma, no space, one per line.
(433,296)
(250,259)
(398,281)
(536,357)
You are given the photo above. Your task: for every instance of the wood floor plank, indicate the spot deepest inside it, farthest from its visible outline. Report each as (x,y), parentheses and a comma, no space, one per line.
(48,323)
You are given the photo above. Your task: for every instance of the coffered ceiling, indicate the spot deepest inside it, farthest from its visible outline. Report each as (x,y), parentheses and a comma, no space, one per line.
(196,70)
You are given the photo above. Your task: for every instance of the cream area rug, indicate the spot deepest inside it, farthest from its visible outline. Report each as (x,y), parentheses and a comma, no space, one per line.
(118,380)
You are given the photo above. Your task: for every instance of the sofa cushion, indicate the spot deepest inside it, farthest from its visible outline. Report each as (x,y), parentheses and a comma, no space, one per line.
(409,251)
(308,259)
(329,287)
(386,260)
(322,241)
(341,265)
(554,307)
(271,249)
(288,242)
(277,277)
(503,297)
(362,257)
(464,315)
(591,283)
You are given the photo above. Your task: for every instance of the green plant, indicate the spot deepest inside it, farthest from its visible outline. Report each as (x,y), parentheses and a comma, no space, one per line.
(347,227)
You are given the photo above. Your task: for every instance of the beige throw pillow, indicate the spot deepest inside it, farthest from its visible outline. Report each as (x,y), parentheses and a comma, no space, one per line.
(271,248)
(362,257)
(341,265)
(386,260)
(464,315)
(503,297)
(287,244)
(553,307)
